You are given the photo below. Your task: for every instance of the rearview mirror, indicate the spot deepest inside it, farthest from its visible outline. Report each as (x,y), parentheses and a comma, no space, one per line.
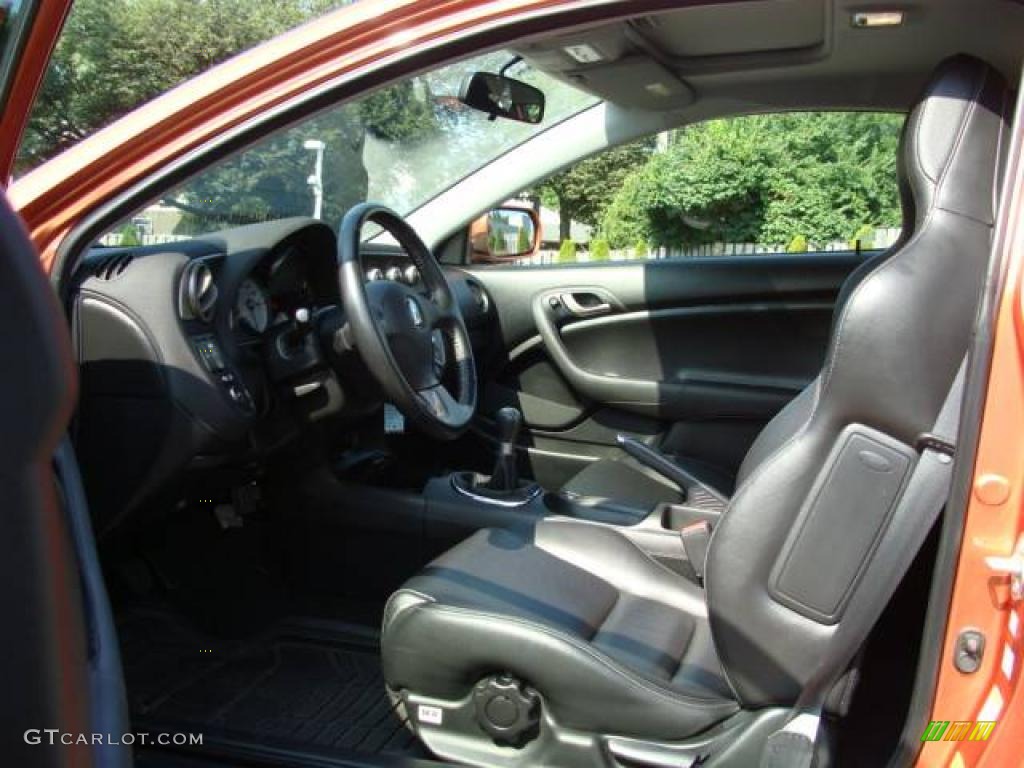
(501,96)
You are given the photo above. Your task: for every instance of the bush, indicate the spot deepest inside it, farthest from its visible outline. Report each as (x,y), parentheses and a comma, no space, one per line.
(641,249)
(129,235)
(567,252)
(523,242)
(600,250)
(797,245)
(866,236)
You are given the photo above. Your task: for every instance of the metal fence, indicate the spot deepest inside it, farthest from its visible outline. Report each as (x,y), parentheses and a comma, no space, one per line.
(881,238)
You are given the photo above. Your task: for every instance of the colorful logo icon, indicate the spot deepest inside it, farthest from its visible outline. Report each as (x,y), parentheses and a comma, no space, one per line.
(959,730)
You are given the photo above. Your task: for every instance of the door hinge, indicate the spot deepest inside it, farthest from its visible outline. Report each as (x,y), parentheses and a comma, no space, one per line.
(1013,566)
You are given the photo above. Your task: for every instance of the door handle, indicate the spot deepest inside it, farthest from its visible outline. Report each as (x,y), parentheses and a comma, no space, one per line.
(585,304)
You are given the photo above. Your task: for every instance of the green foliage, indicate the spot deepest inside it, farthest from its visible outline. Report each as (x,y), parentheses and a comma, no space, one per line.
(129,235)
(567,252)
(116,54)
(139,49)
(641,249)
(797,245)
(600,250)
(398,113)
(523,242)
(865,235)
(584,191)
(269,180)
(764,179)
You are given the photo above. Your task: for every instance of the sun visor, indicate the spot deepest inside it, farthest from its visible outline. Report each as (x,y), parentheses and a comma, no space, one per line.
(634,81)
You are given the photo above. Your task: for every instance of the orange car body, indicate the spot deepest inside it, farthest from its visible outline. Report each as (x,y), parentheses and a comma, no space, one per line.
(374,41)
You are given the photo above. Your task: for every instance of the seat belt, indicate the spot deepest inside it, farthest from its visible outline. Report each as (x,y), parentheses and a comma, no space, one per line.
(922,502)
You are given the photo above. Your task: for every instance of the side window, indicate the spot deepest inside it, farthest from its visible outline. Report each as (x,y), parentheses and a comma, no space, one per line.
(780,183)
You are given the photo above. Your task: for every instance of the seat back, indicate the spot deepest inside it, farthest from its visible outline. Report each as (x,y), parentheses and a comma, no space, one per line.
(44,658)
(816,489)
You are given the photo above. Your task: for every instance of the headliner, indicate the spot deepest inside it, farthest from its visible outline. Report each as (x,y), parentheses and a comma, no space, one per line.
(782,54)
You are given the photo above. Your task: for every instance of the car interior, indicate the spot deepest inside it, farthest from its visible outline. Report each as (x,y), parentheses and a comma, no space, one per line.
(628,513)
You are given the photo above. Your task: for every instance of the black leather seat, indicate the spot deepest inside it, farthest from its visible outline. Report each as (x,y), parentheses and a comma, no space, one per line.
(574,625)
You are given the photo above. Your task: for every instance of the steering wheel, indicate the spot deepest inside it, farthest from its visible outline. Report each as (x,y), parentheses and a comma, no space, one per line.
(416,346)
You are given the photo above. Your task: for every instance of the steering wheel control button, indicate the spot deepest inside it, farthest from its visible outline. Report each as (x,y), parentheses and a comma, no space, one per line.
(209,353)
(440,356)
(394,420)
(415,313)
(507,710)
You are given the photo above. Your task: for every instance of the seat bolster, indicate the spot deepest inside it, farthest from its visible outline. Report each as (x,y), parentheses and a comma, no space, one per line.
(599,549)
(441,651)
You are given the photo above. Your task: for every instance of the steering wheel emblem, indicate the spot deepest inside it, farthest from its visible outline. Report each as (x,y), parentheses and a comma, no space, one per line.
(415,313)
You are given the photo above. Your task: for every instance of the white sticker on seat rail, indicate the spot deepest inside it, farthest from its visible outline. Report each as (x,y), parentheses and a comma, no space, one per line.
(429,715)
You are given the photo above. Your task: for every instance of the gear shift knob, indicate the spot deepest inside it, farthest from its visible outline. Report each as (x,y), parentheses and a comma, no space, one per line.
(506,476)
(510,421)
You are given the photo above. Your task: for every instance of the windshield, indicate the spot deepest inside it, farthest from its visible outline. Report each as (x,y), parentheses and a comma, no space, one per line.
(399,146)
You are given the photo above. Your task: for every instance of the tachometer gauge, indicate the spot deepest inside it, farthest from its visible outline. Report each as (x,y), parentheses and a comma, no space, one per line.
(251,306)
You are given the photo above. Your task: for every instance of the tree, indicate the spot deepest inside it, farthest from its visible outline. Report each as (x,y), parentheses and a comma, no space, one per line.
(583,192)
(114,55)
(763,179)
(523,242)
(567,252)
(397,113)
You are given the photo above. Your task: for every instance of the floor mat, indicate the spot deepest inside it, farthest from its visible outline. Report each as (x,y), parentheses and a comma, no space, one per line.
(301,684)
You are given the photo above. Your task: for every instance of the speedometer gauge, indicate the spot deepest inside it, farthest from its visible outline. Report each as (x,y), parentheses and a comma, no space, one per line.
(251,306)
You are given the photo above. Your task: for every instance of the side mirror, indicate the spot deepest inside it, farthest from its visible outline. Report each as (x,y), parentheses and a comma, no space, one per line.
(501,96)
(504,234)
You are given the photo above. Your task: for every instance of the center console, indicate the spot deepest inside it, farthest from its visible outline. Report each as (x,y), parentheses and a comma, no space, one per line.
(674,534)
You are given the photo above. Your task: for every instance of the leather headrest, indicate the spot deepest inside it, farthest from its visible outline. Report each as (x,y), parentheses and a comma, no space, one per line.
(38,387)
(952,143)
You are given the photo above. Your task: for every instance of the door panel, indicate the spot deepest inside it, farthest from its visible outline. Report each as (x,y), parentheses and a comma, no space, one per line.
(693,354)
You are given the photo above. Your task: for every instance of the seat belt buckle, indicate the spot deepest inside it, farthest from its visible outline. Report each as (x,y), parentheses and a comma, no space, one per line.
(695,539)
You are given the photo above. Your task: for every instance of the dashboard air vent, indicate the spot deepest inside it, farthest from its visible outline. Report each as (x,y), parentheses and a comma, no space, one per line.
(112,266)
(198,292)
(480,297)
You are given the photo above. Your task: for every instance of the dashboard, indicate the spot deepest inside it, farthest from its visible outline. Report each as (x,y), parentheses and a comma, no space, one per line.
(220,350)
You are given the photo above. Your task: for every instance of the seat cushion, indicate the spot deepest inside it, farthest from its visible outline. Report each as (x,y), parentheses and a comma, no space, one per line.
(627,482)
(613,641)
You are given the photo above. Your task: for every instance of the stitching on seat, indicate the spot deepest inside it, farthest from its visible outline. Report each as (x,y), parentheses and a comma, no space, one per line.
(630,677)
